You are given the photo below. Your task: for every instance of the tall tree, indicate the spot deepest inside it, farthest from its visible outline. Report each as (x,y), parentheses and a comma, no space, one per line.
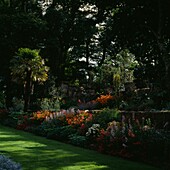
(17,29)
(28,67)
(143,28)
(72,29)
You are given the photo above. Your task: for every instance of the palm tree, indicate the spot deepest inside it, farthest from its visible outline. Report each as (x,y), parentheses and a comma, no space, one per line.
(28,67)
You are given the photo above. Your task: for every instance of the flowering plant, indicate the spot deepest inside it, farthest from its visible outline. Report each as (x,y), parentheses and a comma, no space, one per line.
(93,130)
(79,119)
(125,138)
(105,143)
(23,121)
(41,115)
(104,99)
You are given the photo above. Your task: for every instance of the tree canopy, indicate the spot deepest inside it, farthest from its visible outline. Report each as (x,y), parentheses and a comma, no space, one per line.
(79,37)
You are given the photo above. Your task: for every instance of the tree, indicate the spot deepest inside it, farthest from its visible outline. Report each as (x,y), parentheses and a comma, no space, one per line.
(17,29)
(92,30)
(118,67)
(28,67)
(143,27)
(72,30)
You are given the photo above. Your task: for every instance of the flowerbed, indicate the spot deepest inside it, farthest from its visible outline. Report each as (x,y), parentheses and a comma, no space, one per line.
(107,131)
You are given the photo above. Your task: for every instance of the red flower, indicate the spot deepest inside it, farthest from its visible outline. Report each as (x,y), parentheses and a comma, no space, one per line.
(137,143)
(131,134)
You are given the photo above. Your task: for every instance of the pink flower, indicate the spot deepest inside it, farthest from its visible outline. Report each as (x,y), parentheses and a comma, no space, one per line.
(82,126)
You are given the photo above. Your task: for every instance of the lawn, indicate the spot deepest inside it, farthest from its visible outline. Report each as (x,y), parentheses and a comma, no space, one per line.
(38,153)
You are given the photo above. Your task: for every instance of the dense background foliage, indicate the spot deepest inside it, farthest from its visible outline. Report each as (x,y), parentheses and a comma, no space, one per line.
(83,41)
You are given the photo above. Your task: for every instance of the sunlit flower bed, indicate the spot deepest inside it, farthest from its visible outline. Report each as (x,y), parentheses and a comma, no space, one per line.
(106,131)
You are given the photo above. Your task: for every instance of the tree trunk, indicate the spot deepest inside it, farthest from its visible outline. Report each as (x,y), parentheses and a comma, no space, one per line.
(8,91)
(103,57)
(27,89)
(87,52)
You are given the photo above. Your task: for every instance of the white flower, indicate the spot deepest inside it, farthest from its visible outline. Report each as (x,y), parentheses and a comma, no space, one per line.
(96,125)
(93,129)
(146,127)
(124,145)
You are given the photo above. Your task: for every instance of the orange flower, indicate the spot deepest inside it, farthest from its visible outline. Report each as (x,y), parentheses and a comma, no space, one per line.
(103,99)
(41,114)
(78,119)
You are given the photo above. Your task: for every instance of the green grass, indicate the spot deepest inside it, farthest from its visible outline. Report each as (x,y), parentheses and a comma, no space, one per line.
(37,153)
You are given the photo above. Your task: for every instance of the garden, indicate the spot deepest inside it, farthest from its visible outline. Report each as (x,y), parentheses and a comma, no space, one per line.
(84,85)
(132,136)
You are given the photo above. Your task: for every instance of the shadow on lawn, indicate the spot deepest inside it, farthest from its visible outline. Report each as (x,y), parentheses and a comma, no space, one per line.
(37,153)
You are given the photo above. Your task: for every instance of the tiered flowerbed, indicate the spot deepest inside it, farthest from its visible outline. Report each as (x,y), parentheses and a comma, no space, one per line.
(134,135)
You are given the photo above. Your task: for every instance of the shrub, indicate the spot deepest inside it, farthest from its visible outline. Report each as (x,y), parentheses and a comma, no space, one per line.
(106,116)
(2,100)
(8,164)
(66,104)
(156,144)
(77,140)
(18,105)
(91,105)
(12,119)
(61,133)
(51,104)
(3,114)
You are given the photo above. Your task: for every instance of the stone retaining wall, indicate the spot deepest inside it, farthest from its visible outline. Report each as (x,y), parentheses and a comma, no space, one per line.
(160,119)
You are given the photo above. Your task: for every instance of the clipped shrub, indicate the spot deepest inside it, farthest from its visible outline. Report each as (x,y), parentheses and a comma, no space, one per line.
(8,164)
